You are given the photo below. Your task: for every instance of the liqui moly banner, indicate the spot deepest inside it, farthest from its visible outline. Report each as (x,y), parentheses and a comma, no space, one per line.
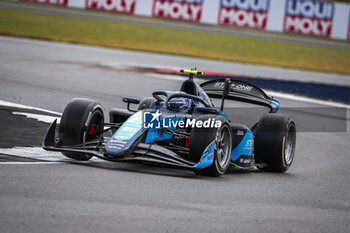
(244,13)
(349,27)
(308,17)
(190,10)
(53,2)
(311,17)
(121,6)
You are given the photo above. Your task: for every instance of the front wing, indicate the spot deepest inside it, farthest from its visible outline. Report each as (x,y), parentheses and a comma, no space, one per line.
(145,153)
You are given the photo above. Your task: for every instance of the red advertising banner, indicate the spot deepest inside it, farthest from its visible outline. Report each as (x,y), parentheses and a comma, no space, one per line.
(53,2)
(121,6)
(190,10)
(308,17)
(244,13)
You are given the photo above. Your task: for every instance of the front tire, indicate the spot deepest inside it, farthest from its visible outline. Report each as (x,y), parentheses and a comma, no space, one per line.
(80,120)
(202,137)
(275,142)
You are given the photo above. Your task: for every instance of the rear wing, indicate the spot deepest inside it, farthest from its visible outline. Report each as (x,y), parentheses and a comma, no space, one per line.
(238,90)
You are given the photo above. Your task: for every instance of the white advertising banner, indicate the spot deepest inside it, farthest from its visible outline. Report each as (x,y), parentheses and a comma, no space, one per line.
(310,17)
(210,11)
(144,8)
(76,3)
(276,15)
(341,21)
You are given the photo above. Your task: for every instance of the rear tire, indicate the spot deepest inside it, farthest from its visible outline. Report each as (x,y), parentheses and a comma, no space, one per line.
(202,137)
(76,124)
(275,141)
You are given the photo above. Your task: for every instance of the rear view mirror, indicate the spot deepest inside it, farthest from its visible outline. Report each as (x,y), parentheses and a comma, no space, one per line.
(131,101)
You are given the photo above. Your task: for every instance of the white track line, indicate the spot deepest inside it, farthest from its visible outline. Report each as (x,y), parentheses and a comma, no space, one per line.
(307,99)
(15,105)
(29,163)
(39,117)
(33,153)
(38,153)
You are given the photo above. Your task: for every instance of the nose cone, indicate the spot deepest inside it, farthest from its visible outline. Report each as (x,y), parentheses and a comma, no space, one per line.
(126,136)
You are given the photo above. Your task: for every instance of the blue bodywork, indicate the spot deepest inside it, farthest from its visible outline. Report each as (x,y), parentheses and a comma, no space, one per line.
(156,133)
(245,147)
(242,154)
(275,105)
(207,158)
(132,131)
(166,142)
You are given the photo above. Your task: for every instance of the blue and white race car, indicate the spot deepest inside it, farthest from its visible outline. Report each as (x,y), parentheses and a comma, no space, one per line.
(179,129)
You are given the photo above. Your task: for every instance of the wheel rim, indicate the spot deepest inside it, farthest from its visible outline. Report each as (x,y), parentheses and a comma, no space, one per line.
(96,119)
(223,146)
(289,146)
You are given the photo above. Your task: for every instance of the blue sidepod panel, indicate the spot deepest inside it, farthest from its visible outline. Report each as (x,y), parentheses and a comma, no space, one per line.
(123,141)
(243,145)
(155,134)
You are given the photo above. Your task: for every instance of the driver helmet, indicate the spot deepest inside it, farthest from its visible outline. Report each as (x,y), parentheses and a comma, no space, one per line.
(180,104)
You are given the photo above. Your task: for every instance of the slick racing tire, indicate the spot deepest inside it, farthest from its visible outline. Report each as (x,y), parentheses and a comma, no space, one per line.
(202,137)
(275,141)
(80,121)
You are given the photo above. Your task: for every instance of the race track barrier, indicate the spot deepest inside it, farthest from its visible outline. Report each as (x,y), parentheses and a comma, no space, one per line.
(324,19)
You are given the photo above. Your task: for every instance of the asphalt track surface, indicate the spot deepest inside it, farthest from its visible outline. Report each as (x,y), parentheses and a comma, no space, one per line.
(99,196)
(187,26)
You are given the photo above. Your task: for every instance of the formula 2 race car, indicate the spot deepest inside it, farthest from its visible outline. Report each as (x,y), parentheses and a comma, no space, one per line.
(180,129)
